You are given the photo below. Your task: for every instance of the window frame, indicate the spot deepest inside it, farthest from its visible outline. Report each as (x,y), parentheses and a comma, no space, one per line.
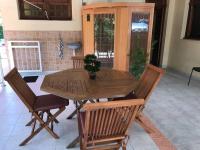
(46,5)
(188,32)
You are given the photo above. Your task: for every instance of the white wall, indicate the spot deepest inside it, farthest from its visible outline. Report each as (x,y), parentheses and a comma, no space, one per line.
(9,11)
(184,54)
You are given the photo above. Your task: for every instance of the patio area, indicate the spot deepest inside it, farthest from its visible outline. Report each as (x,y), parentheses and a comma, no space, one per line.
(99,75)
(172,108)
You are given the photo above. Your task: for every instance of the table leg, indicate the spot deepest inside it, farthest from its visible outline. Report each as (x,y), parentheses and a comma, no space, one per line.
(92,101)
(77,108)
(73,143)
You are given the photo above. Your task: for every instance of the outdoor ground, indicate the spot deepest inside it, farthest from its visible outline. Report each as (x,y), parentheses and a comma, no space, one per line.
(173,108)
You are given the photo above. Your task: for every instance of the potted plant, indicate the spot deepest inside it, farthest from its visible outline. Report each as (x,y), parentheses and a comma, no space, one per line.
(92,65)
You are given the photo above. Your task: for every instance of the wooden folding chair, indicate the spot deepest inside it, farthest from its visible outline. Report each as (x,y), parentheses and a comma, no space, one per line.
(104,125)
(147,83)
(78,62)
(37,105)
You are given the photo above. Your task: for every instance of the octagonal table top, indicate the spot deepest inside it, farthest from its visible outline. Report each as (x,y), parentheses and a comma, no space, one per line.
(75,84)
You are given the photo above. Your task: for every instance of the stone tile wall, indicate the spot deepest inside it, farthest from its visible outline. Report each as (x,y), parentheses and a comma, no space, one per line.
(49,41)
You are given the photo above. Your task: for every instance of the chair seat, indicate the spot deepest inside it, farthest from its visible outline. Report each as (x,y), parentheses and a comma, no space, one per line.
(131,95)
(47,102)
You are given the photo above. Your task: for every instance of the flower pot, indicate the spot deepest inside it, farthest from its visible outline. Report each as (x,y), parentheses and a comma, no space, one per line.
(92,75)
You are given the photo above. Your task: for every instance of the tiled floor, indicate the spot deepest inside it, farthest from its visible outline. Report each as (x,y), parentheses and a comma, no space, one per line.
(173,108)
(14,116)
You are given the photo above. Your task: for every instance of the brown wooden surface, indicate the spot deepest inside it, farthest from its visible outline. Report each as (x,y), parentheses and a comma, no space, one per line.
(148,82)
(75,84)
(117,4)
(88,34)
(106,123)
(122,36)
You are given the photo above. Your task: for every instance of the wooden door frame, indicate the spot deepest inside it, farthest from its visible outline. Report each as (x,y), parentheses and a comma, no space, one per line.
(122,29)
(164,6)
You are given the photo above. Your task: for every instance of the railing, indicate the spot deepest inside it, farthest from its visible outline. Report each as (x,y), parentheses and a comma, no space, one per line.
(25,55)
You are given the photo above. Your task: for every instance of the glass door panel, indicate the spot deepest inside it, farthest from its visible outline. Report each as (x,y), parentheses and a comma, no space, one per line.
(104,38)
(139,41)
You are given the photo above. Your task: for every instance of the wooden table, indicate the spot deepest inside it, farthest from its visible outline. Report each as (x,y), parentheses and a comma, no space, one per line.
(75,84)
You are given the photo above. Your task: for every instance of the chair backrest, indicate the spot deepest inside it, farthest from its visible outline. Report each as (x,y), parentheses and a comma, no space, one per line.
(148,81)
(21,88)
(78,62)
(109,119)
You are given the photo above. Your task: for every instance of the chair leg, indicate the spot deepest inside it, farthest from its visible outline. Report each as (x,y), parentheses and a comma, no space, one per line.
(78,108)
(33,119)
(42,126)
(141,123)
(50,115)
(74,142)
(30,122)
(123,145)
(190,77)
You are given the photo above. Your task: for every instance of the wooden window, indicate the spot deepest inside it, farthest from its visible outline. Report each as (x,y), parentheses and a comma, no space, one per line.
(45,9)
(193,23)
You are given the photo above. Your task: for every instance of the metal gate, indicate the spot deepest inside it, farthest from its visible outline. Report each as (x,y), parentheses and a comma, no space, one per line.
(25,55)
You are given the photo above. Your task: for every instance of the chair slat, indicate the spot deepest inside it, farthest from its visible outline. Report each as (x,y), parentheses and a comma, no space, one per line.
(108,113)
(102,123)
(78,62)
(99,123)
(109,121)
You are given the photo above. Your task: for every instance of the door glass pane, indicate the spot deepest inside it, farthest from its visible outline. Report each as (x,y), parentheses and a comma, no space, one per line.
(104,38)
(139,40)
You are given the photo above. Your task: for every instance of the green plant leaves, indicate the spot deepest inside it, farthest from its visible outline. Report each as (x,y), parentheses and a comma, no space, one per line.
(139,62)
(91,63)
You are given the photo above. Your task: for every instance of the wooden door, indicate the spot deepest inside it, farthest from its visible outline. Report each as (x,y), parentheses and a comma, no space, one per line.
(141,35)
(99,34)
